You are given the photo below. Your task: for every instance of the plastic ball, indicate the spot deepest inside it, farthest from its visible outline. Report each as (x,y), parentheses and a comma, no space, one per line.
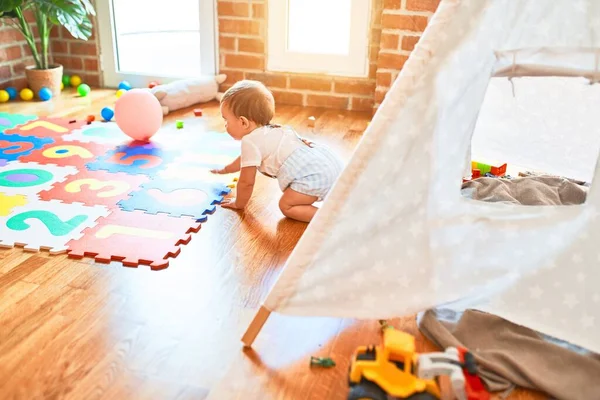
(45,94)
(62,86)
(4,96)
(124,85)
(12,92)
(138,114)
(107,113)
(75,81)
(26,94)
(152,84)
(83,90)
(120,92)
(66,80)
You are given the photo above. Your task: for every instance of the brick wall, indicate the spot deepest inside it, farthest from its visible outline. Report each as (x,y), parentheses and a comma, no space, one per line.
(77,56)
(396,26)
(14,56)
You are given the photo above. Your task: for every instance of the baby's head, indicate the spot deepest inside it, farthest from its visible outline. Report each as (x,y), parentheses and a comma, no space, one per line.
(245,106)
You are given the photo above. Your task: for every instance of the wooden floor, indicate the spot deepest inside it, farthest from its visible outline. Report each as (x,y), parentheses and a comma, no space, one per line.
(79,330)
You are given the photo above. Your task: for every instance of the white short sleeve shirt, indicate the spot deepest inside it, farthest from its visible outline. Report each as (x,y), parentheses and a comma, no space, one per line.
(267,147)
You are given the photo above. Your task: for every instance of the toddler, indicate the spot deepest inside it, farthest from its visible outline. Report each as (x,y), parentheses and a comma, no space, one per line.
(305,171)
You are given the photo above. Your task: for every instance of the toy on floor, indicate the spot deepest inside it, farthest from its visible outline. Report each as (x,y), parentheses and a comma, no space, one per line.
(179,124)
(198,112)
(120,93)
(124,85)
(4,96)
(324,362)
(12,92)
(153,84)
(26,94)
(395,369)
(187,92)
(107,113)
(45,94)
(138,114)
(75,80)
(83,90)
(66,80)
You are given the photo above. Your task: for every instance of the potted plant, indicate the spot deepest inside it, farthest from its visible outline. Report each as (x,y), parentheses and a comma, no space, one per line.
(72,14)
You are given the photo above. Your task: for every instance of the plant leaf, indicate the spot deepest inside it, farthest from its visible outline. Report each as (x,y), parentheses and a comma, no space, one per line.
(8,6)
(72,14)
(89,7)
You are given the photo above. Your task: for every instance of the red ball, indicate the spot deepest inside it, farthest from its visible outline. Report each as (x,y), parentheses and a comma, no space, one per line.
(152,84)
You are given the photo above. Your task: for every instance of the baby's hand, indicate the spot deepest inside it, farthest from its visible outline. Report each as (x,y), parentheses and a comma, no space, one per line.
(218,171)
(230,203)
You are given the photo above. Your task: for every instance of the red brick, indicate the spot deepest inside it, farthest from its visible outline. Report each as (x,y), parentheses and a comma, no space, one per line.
(391,60)
(392,4)
(409,42)
(10,35)
(319,84)
(422,5)
(251,45)
(373,52)
(269,79)
(285,97)
(226,42)
(241,26)
(10,53)
(416,23)
(228,8)
(258,10)
(17,82)
(355,87)
(91,64)
(372,70)
(69,63)
(389,41)
(245,61)
(232,75)
(384,78)
(81,48)
(54,33)
(59,47)
(91,79)
(379,96)
(5,72)
(18,68)
(362,103)
(318,100)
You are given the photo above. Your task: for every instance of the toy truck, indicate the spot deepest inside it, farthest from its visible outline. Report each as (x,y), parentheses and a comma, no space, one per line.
(394,369)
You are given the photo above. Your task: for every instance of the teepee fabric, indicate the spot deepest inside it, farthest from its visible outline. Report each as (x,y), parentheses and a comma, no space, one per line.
(396,237)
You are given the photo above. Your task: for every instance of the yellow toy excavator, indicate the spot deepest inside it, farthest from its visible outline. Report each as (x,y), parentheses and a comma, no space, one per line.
(377,371)
(394,369)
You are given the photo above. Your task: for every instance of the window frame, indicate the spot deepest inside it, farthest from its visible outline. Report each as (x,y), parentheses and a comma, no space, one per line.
(355,64)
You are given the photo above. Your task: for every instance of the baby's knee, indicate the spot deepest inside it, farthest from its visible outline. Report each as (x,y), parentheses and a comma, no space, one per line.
(284,206)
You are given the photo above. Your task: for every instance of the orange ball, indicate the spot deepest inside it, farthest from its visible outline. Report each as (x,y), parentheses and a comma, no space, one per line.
(153,84)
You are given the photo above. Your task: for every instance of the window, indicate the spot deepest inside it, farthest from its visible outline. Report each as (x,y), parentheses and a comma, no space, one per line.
(144,39)
(319,36)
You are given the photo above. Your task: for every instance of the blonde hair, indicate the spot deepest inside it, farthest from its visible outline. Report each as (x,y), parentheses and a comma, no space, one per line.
(250,99)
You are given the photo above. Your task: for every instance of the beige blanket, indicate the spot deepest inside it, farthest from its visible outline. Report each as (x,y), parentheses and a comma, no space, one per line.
(511,355)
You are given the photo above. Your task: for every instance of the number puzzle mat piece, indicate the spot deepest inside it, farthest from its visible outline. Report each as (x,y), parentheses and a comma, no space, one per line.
(7,203)
(13,147)
(45,127)
(64,153)
(135,238)
(134,158)
(9,121)
(47,225)
(95,188)
(176,198)
(98,132)
(31,178)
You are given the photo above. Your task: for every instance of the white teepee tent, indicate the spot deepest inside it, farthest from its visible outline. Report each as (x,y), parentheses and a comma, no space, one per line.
(375,253)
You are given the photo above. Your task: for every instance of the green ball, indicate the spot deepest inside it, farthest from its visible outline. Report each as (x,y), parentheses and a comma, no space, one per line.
(66,80)
(83,90)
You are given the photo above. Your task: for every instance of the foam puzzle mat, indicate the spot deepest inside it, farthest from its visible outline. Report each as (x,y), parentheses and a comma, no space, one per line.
(86,190)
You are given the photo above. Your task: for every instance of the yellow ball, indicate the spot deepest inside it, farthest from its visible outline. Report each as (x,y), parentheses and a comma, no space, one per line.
(62,86)
(4,96)
(75,80)
(26,94)
(120,92)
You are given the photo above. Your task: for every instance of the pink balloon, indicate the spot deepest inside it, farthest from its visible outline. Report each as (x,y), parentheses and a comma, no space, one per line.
(138,114)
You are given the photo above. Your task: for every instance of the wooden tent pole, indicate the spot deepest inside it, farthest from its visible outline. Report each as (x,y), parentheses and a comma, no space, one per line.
(255,326)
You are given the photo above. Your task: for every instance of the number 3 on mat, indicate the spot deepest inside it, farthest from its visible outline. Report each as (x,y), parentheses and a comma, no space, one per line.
(55,225)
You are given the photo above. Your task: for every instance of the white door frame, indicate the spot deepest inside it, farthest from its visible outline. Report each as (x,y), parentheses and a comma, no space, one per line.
(108,47)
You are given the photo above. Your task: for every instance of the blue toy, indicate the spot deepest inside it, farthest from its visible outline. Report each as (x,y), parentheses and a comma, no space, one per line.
(45,94)
(177,198)
(107,113)
(12,92)
(133,159)
(124,85)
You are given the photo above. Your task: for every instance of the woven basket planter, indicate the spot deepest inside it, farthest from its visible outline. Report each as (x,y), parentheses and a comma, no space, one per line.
(39,78)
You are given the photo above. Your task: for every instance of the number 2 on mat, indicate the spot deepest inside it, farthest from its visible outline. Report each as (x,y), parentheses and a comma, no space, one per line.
(55,225)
